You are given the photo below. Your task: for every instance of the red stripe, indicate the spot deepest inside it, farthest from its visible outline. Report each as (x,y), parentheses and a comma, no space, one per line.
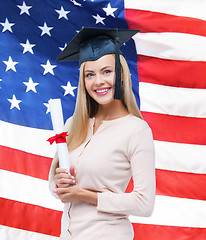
(176,128)
(178,184)
(181,184)
(24,163)
(156,232)
(171,72)
(148,21)
(30,217)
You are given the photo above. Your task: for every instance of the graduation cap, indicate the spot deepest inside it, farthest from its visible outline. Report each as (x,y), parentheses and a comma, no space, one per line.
(92,43)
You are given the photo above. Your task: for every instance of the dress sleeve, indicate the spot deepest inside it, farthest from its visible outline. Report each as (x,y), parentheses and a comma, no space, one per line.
(140,202)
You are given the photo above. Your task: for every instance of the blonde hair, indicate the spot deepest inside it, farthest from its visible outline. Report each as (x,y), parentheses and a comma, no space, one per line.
(86,107)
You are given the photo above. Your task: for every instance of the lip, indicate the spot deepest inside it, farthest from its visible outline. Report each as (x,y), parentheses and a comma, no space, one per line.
(102,91)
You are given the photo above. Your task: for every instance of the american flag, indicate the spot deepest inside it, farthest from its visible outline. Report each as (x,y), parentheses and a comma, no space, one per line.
(167,60)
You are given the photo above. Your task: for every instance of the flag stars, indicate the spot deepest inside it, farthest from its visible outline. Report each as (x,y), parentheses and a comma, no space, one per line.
(24,8)
(10,64)
(48,68)
(99,19)
(48,108)
(76,3)
(45,29)
(109,10)
(14,102)
(31,85)
(28,47)
(69,89)
(62,13)
(7,26)
(62,48)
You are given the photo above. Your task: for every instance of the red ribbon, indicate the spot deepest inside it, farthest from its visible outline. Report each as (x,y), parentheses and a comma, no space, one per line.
(58,138)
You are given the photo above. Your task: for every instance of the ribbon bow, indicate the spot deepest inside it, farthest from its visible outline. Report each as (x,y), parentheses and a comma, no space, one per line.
(58,138)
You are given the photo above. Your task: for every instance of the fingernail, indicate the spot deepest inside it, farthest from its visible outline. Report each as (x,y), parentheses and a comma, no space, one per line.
(74,181)
(72,177)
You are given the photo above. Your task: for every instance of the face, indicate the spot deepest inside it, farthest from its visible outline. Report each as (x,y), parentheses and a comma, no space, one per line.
(100,79)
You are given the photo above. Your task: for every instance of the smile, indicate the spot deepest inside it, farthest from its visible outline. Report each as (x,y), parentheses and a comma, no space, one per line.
(102,91)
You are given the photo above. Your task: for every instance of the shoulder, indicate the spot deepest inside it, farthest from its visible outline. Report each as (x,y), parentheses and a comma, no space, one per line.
(136,124)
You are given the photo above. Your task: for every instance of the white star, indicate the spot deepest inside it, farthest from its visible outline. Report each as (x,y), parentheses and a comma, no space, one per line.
(69,89)
(45,29)
(62,48)
(99,19)
(24,8)
(48,68)
(7,26)
(76,3)
(0,81)
(62,13)
(10,64)
(30,85)
(48,108)
(14,102)
(109,10)
(27,47)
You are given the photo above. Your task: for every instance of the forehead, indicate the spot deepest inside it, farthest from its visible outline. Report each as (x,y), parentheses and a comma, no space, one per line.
(106,60)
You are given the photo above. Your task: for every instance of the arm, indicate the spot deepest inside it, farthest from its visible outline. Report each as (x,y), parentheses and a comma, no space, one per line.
(140,201)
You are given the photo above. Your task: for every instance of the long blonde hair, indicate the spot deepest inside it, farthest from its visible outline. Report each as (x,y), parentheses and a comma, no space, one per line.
(86,107)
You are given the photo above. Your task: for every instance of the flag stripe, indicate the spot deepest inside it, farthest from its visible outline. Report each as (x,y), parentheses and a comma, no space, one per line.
(161,22)
(176,128)
(170,74)
(178,184)
(151,232)
(180,157)
(30,217)
(177,101)
(25,163)
(175,7)
(173,211)
(173,46)
(8,233)
(27,189)
(26,139)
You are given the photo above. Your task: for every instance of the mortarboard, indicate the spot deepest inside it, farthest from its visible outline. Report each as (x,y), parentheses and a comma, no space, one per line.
(92,43)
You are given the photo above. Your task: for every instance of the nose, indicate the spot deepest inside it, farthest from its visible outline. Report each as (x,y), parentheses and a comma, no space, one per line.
(99,80)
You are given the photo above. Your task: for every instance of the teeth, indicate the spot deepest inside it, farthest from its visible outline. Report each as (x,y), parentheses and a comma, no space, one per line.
(101,91)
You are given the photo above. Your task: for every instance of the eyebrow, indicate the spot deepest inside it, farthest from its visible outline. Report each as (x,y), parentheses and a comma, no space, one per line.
(87,70)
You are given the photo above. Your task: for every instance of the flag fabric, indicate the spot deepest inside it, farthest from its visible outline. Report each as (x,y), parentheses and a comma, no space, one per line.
(167,60)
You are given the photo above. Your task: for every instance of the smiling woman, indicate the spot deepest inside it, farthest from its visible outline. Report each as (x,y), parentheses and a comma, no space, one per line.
(109,143)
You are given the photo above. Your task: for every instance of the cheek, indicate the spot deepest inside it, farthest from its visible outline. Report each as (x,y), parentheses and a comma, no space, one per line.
(88,85)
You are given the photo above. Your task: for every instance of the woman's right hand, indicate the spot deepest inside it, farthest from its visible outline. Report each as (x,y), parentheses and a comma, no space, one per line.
(63,179)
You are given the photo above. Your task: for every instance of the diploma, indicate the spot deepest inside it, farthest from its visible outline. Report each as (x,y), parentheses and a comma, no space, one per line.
(60,136)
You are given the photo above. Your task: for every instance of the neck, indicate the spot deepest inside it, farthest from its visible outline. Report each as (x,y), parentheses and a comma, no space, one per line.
(112,111)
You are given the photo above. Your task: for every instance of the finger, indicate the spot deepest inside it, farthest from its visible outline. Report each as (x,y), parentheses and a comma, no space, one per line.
(61,170)
(65,181)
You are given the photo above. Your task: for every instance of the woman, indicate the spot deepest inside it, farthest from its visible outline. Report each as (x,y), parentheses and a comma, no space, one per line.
(109,143)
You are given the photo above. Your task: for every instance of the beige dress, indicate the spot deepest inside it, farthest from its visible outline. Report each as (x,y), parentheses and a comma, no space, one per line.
(105,162)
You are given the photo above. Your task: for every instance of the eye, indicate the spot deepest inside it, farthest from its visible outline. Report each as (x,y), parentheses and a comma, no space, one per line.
(89,75)
(107,71)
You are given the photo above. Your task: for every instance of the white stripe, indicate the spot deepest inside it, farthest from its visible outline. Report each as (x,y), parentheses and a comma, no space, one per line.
(8,233)
(171,211)
(172,100)
(174,46)
(180,157)
(27,189)
(31,140)
(187,8)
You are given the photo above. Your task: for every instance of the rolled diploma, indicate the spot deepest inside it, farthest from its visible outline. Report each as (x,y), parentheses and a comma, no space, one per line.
(58,126)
